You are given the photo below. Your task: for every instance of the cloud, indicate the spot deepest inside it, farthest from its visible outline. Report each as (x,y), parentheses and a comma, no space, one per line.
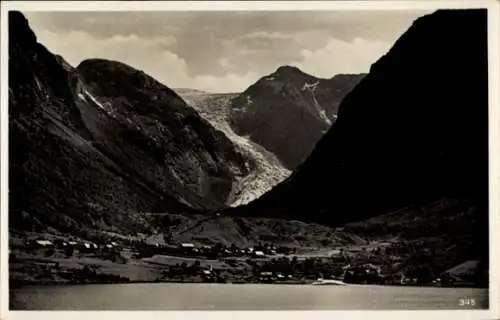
(263,34)
(222,51)
(150,55)
(230,82)
(339,56)
(224,62)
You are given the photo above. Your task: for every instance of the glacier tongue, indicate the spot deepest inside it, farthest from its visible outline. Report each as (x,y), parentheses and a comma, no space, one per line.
(267,170)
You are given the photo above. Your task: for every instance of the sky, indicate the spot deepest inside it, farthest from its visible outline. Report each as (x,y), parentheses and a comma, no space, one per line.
(224,51)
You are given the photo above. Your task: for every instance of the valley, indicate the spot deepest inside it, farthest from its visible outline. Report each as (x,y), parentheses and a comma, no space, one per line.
(365,178)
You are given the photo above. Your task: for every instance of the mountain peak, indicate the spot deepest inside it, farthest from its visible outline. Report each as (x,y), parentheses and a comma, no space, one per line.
(122,76)
(287,69)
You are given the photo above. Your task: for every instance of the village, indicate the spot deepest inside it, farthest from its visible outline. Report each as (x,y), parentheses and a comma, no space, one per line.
(187,262)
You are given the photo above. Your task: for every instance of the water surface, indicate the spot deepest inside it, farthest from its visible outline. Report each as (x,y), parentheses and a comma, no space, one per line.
(182,296)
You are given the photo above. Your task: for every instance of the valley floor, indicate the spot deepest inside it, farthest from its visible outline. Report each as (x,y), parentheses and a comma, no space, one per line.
(145,263)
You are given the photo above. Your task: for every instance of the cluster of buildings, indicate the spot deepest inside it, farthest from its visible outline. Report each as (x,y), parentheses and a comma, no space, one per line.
(144,248)
(81,246)
(214,251)
(337,267)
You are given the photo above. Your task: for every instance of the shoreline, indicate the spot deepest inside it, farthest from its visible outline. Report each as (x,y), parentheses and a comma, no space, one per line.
(17,284)
(20,283)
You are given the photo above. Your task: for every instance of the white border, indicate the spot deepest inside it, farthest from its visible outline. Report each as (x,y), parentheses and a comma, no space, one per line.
(243,5)
(494,133)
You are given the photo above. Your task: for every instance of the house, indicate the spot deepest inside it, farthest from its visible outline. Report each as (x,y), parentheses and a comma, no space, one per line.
(266,276)
(187,248)
(208,275)
(39,244)
(112,246)
(437,282)
(87,247)
(365,274)
(45,243)
(61,244)
(372,268)
(259,254)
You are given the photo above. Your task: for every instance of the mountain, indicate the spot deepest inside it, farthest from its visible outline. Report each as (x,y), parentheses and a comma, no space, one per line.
(266,170)
(413,131)
(102,145)
(288,111)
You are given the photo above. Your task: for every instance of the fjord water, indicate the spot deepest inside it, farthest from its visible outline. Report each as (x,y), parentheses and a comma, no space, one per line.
(177,296)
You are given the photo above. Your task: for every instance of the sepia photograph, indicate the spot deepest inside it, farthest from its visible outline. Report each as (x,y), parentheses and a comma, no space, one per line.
(247,158)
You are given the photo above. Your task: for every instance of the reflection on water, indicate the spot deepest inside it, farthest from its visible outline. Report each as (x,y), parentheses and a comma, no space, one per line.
(173,296)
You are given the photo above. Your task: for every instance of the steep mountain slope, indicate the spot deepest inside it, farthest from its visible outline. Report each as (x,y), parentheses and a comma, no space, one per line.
(435,236)
(101,145)
(266,170)
(288,111)
(194,155)
(414,130)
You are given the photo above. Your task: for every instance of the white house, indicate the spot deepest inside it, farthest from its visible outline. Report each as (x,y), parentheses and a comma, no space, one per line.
(259,253)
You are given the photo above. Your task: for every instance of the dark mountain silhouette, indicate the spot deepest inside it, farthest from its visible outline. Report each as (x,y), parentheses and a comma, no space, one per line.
(288,111)
(414,130)
(100,145)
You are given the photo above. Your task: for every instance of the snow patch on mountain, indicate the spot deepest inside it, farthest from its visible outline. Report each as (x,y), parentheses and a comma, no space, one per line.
(310,86)
(38,84)
(94,100)
(323,116)
(320,112)
(249,100)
